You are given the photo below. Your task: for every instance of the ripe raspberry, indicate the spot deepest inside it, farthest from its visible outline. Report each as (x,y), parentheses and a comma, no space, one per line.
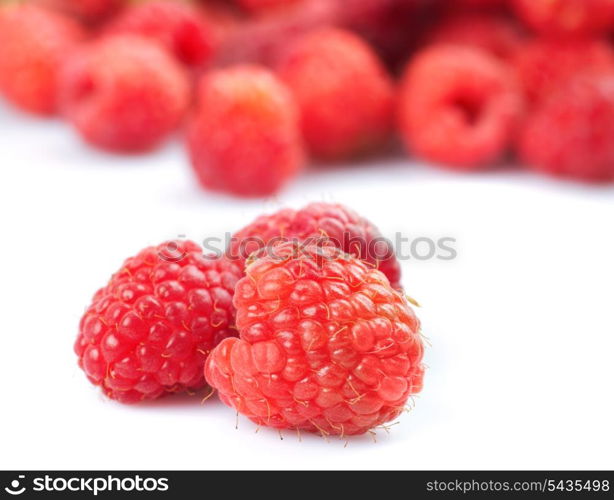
(257,6)
(33,41)
(390,26)
(564,18)
(244,137)
(344,94)
(545,65)
(262,39)
(570,134)
(495,34)
(87,10)
(459,106)
(341,226)
(149,330)
(124,93)
(180,27)
(326,345)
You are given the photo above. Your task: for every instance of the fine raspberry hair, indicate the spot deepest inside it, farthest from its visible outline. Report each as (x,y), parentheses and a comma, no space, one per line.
(33,43)
(459,106)
(345,96)
(148,332)
(326,345)
(244,136)
(124,93)
(320,221)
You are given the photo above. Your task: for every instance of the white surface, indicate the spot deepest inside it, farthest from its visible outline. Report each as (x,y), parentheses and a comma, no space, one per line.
(521,323)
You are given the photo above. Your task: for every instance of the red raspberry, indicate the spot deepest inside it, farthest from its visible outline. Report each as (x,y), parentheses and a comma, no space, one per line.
(262,39)
(150,329)
(87,10)
(570,134)
(567,17)
(180,27)
(459,106)
(257,6)
(339,225)
(326,345)
(493,33)
(124,93)
(545,65)
(244,138)
(33,41)
(344,94)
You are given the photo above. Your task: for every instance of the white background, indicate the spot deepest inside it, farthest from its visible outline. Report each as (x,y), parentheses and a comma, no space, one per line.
(521,367)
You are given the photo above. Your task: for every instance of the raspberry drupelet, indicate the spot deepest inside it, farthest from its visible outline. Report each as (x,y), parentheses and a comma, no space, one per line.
(336,223)
(326,345)
(148,332)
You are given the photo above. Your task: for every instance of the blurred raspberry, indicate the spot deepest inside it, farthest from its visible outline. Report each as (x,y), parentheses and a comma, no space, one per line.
(261,40)
(244,137)
(258,6)
(345,96)
(391,26)
(33,42)
(87,10)
(148,332)
(567,17)
(459,106)
(495,34)
(335,223)
(181,27)
(544,65)
(326,345)
(570,134)
(124,93)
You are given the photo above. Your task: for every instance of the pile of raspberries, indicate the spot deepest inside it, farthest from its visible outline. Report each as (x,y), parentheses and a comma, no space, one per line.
(260,88)
(300,324)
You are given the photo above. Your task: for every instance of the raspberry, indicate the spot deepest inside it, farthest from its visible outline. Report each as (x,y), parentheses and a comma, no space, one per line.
(124,93)
(492,33)
(344,94)
(545,65)
(180,27)
(261,40)
(566,18)
(570,133)
(388,25)
(244,138)
(33,41)
(87,10)
(257,6)
(326,345)
(148,332)
(459,106)
(339,225)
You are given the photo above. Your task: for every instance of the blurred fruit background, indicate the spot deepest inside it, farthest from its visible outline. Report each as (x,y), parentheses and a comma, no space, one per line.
(123,124)
(262,89)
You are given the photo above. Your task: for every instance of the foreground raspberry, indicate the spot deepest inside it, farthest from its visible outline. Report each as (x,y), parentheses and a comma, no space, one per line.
(33,42)
(124,93)
(244,138)
(459,106)
(344,94)
(544,65)
(180,27)
(339,225)
(326,345)
(566,18)
(149,330)
(570,134)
